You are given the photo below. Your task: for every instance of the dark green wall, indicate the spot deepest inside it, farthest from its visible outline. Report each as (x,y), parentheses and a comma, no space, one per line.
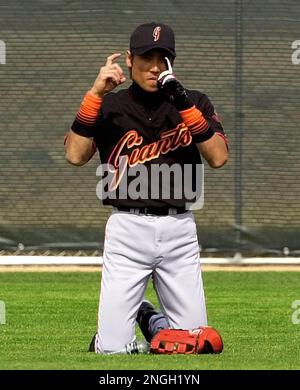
(237,52)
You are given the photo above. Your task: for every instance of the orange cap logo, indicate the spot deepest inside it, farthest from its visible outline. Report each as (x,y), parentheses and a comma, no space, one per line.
(156,33)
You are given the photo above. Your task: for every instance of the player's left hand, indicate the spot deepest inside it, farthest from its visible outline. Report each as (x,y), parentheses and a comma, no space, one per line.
(173,90)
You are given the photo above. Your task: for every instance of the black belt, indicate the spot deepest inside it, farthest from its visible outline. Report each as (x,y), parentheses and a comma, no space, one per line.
(153,210)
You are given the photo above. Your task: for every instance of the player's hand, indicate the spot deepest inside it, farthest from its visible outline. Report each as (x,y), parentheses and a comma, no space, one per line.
(110,76)
(172,89)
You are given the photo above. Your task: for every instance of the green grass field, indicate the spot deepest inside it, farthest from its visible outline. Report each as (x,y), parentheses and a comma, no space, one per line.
(51,317)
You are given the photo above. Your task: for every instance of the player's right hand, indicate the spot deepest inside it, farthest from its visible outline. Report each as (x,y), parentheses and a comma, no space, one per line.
(110,76)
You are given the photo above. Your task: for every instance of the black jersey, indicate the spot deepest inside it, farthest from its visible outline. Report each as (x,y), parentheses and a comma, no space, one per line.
(138,132)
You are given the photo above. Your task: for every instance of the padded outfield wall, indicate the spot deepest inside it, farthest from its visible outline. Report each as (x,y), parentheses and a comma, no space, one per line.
(242,53)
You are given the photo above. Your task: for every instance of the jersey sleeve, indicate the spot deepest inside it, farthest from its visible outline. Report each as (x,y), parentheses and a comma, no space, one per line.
(94,129)
(213,118)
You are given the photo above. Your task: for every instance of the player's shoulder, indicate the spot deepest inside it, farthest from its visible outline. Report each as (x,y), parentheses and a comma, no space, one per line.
(113,101)
(201,101)
(197,97)
(115,96)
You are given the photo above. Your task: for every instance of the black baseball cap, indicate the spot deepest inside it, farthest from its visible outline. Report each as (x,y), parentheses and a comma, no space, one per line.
(150,36)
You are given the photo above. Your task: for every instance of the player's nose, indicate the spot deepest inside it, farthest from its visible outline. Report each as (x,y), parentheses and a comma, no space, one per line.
(155,68)
(157,65)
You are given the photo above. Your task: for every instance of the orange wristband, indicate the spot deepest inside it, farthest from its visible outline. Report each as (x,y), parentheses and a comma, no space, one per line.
(89,109)
(194,120)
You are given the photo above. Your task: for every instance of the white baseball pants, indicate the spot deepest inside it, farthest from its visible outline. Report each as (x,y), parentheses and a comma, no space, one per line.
(140,246)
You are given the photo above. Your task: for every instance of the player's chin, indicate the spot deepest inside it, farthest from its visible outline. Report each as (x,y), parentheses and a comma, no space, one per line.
(151,86)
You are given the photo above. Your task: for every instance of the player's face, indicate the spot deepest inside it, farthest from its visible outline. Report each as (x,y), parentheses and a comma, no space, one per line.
(146,68)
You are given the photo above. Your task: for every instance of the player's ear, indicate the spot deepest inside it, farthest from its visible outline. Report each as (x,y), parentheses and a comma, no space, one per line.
(129,58)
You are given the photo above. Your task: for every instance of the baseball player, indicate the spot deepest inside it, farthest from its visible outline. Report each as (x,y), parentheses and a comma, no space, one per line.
(154,125)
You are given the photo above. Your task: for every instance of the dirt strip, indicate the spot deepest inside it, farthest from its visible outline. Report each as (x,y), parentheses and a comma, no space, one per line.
(205,268)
